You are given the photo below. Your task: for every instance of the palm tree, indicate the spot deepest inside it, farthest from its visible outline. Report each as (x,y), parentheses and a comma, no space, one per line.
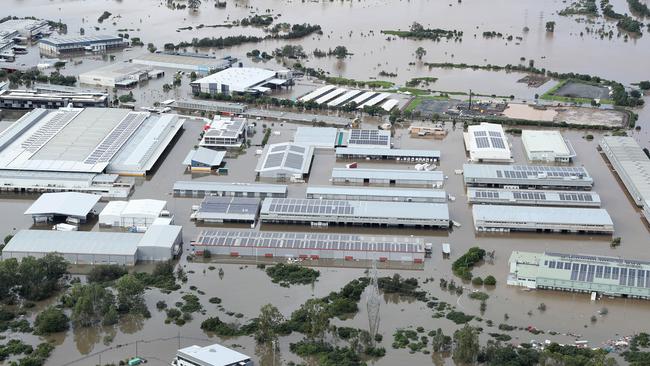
(193,4)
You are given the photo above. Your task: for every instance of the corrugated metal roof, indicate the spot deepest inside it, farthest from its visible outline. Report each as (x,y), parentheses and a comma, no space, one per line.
(160,236)
(230,187)
(530,214)
(286,156)
(74,242)
(632,164)
(426,176)
(431,154)
(371,191)
(64,203)
(205,156)
(316,136)
(212,355)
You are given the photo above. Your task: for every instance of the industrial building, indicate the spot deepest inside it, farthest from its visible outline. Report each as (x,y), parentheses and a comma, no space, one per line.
(119,75)
(547,146)
(196,188)
(340,212)
(376,194)
(632,166)
(310,246)
(498,218)
(213,355)
(209,106)
(284,161)
(202,159)
(365,138)
(527,176)
(487,142)
(404,155)
(533,197)
(421,128)
(25,28)
(70,141)
(65,44)
(219,209)
(108,186)
(31,99)
(62,205)
(159,243)
(389,177)
(225,133)
(242,80)
(318,137)
(133,214)
(607,276)
(199,63)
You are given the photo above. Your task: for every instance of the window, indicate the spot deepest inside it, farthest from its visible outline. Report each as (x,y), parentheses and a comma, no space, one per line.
(615,271)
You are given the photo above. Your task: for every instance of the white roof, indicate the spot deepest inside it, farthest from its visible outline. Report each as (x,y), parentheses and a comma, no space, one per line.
(239,79)
(316,136)
(215,354)
(114,208)
(205,156)
(487,141)
(286,157)
(545,215)
(64,203)
(160,236)
(74,242)
(546,141)
(144,207)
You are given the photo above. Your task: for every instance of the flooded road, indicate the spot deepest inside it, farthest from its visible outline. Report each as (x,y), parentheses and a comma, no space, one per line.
(356,25)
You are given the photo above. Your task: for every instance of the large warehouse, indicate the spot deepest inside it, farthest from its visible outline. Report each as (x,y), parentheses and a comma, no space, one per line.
(533,197)
(63,44)
(547,146)
(404,155)
(72,144)
(242,80)
(527,176)
(199,63)
(285,160)
(215,209)
(487,142)
(310,246)
(30,99)
(119,74)
(339,212)
(498,218)
(632,166)
(159,243)
(133,213)
(376,194)
(608,276)
(197,188)
(388,177)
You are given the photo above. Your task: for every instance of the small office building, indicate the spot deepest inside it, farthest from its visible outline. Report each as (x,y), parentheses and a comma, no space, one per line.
(498,218)
(225,133)
(547,146)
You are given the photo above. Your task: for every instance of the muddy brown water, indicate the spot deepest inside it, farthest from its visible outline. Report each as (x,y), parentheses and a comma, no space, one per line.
(245,289)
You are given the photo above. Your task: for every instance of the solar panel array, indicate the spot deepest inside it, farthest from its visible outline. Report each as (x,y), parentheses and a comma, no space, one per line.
(229,205)
(529,195)
(595,258)
(290,156)
(48,130)
(486,194)
(368,137)
(308,241)
(274,160)
(585,272)
(576,196)
(495,140)
(534,171)
(298,206)
(106,149)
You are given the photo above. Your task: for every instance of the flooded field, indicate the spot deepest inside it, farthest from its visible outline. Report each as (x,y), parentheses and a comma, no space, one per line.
(357,25)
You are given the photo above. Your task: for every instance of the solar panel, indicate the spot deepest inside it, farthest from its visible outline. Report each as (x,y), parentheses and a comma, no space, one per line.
(273,160)
(497,143)
(482,142)
(480,133)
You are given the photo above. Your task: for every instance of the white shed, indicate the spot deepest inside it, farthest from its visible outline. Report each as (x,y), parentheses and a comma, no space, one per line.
(132,213)
(160,243)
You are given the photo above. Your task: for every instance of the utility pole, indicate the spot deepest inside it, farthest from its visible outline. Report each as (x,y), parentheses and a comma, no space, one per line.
(136,348)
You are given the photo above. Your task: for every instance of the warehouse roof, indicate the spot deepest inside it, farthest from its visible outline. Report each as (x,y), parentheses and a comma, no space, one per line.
(324,137)
(160,236)
(198,185)
(343,208)
(317,241)
(64,40)
(546,141)
(212,355)
(239,79)
(368,138)
(77,242)
(116,70)
(186,60)
(396,174)
(234,208)
(527,196)
(531,214)
(144,207)
(529,172)
(487,141)
(364,151)
(372,191)
(633,162)
(205,156)
(64,203)
(286,157)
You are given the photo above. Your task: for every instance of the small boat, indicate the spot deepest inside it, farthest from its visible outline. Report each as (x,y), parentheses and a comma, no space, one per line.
(456,223)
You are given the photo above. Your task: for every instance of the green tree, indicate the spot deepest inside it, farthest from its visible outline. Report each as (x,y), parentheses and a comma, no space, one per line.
(193,4)
(550,27)
(90,304)
(39,278)
(130,295)
(50,320)
(490,281)
(420,52)
(340,52)
(267,324)
(466,346)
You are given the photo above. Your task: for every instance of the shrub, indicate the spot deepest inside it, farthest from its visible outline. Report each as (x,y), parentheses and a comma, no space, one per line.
(490,281)
(477,281)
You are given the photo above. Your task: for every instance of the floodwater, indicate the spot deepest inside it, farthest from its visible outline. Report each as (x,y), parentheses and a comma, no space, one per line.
(356,25)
